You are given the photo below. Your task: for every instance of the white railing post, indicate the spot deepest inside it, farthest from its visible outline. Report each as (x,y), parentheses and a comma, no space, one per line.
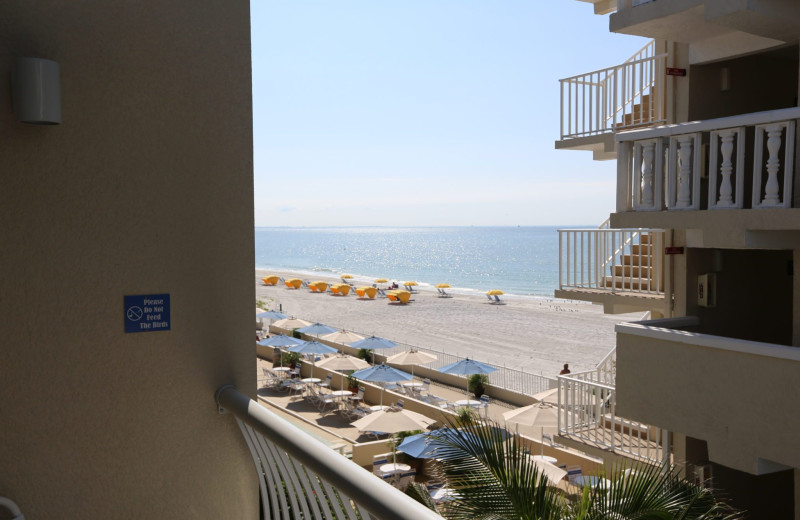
(773,195)
(560,259)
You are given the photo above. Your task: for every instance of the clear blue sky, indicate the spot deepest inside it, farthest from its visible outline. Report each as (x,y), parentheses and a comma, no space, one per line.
(424,112)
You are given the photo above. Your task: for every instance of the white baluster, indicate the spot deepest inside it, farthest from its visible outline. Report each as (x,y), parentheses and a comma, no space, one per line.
(685,173)
(726,187)
(647,173)
(772,189)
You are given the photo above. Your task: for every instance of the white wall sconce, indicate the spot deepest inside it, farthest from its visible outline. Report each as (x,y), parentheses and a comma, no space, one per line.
(36,91)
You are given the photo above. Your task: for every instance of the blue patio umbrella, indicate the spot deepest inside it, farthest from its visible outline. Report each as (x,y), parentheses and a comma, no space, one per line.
(432,444)
(312,347)
(467,367)
(424,445)
(317,329)
(280,340)
(373,343)
(271,315)
(382,374)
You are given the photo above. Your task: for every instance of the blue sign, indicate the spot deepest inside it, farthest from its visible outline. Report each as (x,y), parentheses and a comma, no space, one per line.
(147,313)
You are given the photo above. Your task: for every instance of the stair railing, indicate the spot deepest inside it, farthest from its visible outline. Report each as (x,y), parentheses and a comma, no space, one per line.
(615,98)
(613,260)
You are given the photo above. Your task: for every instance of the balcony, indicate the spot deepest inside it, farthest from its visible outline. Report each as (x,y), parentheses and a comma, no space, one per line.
(588,419)
(597,104)
(732,163)
(739,396)
(299,477)
(623,269)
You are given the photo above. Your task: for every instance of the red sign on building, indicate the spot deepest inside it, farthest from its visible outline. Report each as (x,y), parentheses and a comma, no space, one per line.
(675,72)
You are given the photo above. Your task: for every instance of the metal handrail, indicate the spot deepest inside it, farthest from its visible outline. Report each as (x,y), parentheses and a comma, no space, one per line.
(379,498)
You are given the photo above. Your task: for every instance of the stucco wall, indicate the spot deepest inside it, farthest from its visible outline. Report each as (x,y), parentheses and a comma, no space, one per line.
(738,402)
(145,188)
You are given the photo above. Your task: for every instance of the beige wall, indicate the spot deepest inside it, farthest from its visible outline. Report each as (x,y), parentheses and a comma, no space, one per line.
(145,188)
(740,403)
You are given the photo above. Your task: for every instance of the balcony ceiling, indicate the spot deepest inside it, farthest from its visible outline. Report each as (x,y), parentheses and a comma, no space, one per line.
(691,21)
(603,6)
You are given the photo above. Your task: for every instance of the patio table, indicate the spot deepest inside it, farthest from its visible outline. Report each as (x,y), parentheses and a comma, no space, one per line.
(395,468)
(469,402)
(591,481)
(545,458)
(282,371)
(442,494)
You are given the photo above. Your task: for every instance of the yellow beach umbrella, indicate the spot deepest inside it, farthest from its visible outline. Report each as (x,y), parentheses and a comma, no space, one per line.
(399,295)
(442,285)
(318,286)
(366,291)
(294,283)
(495,292)
(340,289)
(410,284)
(347,276)
(381,280)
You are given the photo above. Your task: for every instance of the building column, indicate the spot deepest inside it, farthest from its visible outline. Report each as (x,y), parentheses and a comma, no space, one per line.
(795,301)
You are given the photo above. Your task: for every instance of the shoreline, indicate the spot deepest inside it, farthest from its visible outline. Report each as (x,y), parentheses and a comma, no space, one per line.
(331,275)
(531,333)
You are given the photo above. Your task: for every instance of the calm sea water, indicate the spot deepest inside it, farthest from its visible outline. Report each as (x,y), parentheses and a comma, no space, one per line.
(517,260)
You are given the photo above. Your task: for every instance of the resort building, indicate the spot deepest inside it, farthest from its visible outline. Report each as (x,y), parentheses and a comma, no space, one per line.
(705,235)
(127,292)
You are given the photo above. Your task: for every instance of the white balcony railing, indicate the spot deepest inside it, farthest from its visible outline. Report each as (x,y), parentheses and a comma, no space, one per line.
(614,260)
(751,154)
(299,477)
(588,415)
(615,98)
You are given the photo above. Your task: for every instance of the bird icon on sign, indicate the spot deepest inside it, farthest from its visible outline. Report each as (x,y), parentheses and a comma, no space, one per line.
(135,313)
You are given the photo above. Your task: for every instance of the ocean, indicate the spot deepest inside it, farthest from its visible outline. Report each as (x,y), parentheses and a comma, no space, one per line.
(517,260)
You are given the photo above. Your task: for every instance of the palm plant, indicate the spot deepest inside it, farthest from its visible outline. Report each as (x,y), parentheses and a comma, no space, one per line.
(494,478)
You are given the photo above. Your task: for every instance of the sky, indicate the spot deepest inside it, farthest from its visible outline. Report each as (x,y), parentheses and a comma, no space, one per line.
(424,112)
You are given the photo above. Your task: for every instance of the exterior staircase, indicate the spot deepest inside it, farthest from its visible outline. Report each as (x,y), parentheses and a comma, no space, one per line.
(642,114)
(597,104)
(636,269)
(621,269)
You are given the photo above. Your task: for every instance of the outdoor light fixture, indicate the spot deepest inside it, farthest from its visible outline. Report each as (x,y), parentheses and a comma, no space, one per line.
(36,91)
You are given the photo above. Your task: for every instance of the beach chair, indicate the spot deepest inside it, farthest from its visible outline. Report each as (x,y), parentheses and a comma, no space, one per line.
(573,472)
(327,403)
(352,411)
(359,397)
(326,383)
(377,462)
(425,389)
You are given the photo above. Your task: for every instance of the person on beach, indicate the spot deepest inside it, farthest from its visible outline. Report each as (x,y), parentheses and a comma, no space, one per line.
(564,370)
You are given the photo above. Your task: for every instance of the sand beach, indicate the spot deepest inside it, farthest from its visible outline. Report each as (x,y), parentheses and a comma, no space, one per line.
(534,334)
